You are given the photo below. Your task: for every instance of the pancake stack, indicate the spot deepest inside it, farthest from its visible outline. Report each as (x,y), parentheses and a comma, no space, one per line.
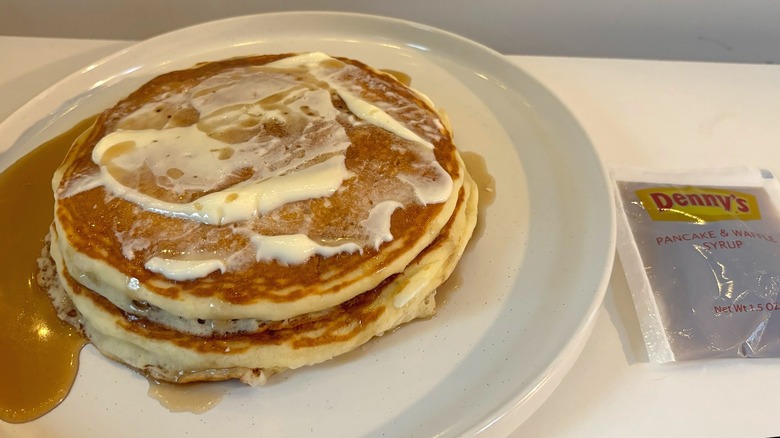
(256,214)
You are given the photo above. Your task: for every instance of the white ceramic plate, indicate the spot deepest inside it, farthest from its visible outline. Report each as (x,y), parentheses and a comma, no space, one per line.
(528,287)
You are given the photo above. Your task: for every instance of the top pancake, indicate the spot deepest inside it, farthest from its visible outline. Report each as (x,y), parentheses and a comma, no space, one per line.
(166,199)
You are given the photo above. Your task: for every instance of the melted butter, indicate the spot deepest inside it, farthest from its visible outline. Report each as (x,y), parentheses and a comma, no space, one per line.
(222,91)
(372,114)
(38,351)
(182,270)
(415,285)
(295,248)
(365,111)
(399,76)
(379,221)
(430,191)
(242,201)
(186,397)
(303,59)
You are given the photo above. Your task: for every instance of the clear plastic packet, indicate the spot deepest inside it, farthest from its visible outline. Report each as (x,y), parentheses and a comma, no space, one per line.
(701,254)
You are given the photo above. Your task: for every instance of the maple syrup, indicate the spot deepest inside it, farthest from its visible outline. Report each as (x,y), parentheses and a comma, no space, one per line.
(486,186)
(186,397)
(478,170)
(38,352)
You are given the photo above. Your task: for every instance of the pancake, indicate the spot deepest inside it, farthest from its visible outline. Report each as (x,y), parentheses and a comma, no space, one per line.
(256,214)
(108,206)
(253,355)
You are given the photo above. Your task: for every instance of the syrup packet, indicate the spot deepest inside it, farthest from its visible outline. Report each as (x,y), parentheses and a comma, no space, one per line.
(701,254)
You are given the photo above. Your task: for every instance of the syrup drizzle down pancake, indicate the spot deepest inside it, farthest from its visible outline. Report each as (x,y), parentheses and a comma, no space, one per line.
(257,214)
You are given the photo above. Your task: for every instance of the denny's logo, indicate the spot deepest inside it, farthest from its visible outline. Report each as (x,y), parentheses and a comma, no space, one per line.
(698,204)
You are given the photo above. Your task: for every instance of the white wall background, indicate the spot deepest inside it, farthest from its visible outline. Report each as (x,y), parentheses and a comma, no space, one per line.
(714,30)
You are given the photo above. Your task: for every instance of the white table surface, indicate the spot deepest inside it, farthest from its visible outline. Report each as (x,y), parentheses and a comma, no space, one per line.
(653,114)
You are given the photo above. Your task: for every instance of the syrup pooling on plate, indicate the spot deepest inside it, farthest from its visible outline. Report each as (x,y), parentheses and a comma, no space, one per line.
(486,184)
(257,139)
(188,397)
(478,170)
(39,351)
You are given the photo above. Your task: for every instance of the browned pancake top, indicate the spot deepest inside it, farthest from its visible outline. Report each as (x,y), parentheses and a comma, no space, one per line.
(100,225)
